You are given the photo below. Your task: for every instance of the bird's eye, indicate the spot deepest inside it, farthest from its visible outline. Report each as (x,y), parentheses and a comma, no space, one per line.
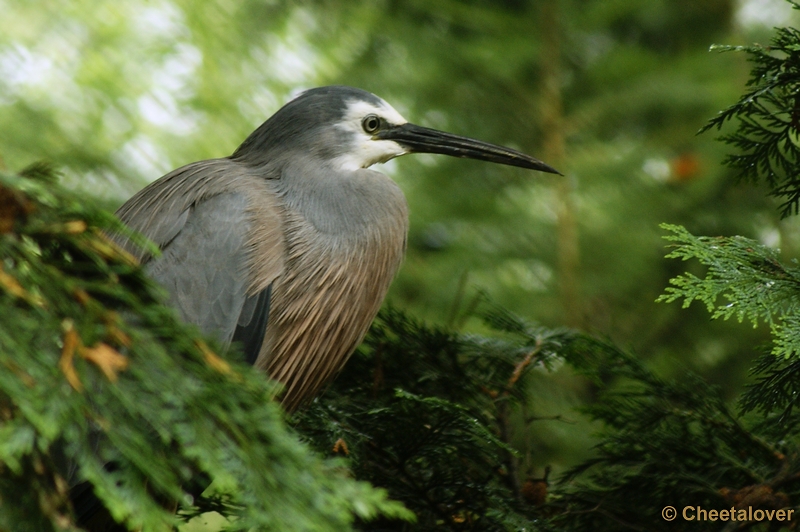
(371,123)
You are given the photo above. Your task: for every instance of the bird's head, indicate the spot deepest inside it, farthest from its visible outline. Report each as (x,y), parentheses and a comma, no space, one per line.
(352,128)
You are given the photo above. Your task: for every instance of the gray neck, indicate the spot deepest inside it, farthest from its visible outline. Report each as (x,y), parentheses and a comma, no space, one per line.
(345,205)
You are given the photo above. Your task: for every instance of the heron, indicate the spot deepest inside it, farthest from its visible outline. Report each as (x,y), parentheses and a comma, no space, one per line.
(288,246)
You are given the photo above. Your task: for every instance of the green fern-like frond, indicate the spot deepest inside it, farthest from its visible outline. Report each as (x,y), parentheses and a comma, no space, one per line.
(743,278)
(766,139)
(106,397)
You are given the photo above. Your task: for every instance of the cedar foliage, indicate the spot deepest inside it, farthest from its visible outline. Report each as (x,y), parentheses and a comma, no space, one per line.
(102,386)
(768,118)
(423,412)
(426,414)
(679,443)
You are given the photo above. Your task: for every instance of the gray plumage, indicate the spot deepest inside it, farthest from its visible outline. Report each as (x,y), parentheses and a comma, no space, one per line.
(292,232)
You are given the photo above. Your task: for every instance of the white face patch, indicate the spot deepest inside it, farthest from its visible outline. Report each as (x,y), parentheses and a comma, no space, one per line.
(365,151)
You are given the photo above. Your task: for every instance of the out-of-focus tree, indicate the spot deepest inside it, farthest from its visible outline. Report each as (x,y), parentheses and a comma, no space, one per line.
(119,93)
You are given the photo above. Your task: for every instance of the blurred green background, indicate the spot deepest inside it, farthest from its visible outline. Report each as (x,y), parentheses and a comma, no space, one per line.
(611,92)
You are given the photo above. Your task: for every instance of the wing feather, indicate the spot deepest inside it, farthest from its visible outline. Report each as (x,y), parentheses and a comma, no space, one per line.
(203,265)
(221,240)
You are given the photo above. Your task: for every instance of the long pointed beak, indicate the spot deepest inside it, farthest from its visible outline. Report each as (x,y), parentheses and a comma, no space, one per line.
(420,139)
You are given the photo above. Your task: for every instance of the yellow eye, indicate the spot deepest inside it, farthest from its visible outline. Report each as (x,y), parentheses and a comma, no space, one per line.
(371,123)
